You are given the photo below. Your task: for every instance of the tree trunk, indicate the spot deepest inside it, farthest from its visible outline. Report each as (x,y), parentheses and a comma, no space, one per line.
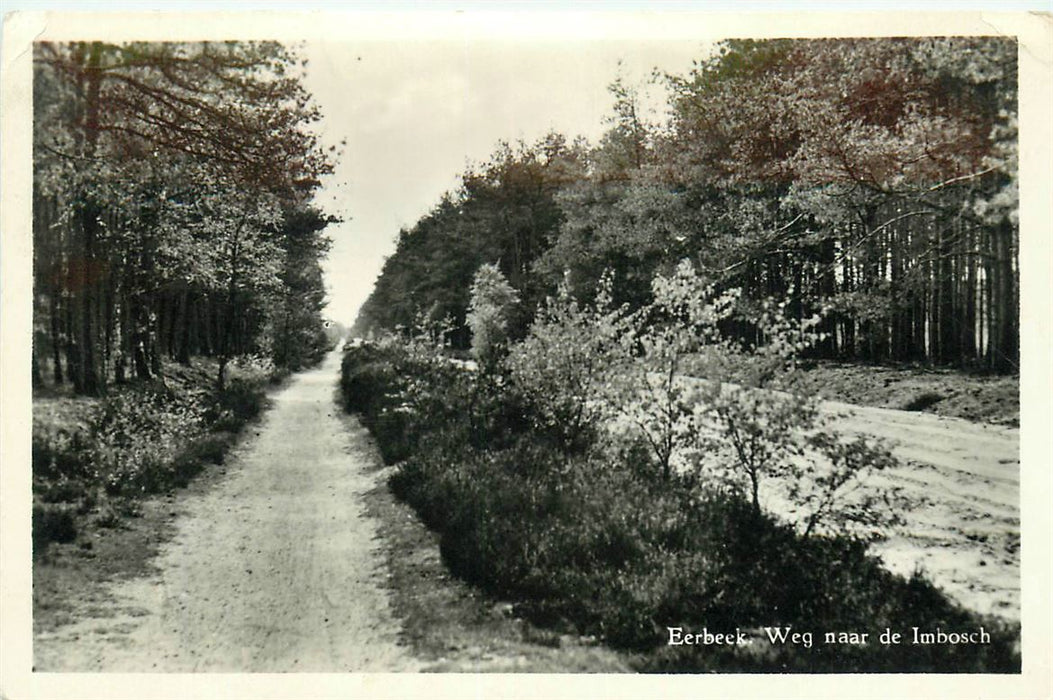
(56,337)
(828,289)
(183,342)
(967,344)
(140,341)
(91,382)
(1005,333)
(948,336)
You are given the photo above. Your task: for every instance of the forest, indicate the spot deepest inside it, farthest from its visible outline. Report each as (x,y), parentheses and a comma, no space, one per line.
(176,265)
(870,181)
(172,213)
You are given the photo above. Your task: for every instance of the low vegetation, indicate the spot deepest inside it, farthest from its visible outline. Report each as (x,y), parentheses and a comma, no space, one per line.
(92,458)
(545,495)
(451,626)
(982,398)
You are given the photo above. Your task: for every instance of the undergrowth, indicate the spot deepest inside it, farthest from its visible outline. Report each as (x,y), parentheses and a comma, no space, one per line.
(92,461)
(597,541)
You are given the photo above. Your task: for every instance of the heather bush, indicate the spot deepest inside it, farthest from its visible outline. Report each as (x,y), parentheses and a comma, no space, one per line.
(240,400)
(138,434)
(375,383)
(365,378)
(404,391)
(59,452)
(52,523)
(601,542)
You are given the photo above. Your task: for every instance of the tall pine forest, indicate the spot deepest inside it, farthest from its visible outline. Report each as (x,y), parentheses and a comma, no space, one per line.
(172,212)
(873,181)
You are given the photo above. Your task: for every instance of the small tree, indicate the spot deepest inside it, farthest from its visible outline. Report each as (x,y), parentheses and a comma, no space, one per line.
(655,396)
(563,366)
(489,310)
(741,423)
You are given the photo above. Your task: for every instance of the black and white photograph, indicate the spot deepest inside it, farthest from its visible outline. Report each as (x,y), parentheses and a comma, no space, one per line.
(666,349)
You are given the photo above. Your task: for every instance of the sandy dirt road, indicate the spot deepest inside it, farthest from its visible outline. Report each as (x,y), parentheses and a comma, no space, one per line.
(961,480)
(964,530)
(275,569)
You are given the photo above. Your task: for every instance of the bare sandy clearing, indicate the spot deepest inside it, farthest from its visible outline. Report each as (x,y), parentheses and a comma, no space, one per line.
(965,532)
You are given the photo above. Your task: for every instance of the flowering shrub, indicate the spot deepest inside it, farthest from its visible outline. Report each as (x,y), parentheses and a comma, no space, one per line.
(743,423)
(653,394)
(564,366)
(738,423)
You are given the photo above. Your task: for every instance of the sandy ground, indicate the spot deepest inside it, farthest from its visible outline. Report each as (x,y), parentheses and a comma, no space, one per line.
(964,532)
(277,568)
(960,481)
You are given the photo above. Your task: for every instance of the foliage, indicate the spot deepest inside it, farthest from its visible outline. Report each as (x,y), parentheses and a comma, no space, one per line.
(563,366)
(298,335)
(490,306)
(389,383)
(742,422)
(653,394)
(58,452)
(52,523)
(171,208)
(875,178)
(138,434)
(143,438)
(606,547)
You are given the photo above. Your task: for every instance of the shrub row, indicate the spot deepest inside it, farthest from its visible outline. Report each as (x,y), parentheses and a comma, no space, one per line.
(142,438)
(598,544)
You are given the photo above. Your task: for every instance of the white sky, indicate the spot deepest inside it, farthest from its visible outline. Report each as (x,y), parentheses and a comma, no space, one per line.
(415,112)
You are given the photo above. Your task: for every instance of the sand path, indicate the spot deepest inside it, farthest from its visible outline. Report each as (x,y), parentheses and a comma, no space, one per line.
(276,568)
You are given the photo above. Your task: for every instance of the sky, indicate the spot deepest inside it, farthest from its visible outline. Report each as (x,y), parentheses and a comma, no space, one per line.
(415,113)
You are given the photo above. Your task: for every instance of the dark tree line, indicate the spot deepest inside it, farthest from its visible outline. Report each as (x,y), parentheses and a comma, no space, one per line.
(171,209)
(872,179)
(506,211)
